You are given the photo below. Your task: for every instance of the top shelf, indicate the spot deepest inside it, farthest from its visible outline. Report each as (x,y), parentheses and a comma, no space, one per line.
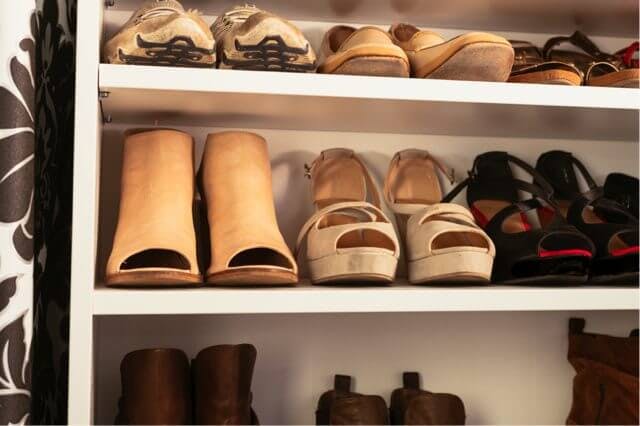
(276,100)
(617,18)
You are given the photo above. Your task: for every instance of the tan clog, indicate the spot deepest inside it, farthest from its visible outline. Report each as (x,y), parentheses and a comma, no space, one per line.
(161,32)
(349,239)
(247,247)
(252,39)
(155,242)
(365,51)
(472,56)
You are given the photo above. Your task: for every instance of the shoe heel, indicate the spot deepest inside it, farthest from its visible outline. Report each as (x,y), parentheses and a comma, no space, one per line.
(461,266)
(364,267)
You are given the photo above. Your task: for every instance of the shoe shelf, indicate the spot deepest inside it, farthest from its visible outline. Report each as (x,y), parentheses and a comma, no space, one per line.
(480,342)
(613,18)
(229,98)
(397,298)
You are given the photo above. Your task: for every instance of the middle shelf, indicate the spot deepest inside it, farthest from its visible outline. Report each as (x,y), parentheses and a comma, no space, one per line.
(272,100)
(397,298)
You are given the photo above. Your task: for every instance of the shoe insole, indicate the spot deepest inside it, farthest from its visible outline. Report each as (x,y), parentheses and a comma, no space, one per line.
(338,180)
(415,181)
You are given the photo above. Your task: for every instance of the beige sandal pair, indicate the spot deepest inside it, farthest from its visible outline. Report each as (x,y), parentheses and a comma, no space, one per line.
(350,238)
(155,240)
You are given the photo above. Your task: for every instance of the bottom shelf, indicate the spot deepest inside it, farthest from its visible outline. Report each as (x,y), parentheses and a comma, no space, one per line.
(398,297)
(508,367)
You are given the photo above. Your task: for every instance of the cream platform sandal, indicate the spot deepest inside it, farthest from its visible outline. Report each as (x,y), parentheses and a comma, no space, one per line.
(443,242)
(161,32)
(247,247)
(155,241)
(348,238)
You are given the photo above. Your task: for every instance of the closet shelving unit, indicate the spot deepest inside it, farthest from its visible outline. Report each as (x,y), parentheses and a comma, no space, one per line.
(502,349)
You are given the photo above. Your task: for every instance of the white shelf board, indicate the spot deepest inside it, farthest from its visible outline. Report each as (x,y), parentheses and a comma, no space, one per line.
(613,17)
(398,298)
(276,100)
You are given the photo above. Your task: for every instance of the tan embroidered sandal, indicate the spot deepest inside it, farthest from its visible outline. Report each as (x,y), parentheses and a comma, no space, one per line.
(155,242)
(348,238)
(161,32)
(442,240)
(247,247)
(252,39)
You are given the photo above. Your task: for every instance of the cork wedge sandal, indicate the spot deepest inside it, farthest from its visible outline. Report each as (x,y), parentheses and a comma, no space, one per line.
(161,32)
(348,238)
(155,242)
(443,242)
(247,247)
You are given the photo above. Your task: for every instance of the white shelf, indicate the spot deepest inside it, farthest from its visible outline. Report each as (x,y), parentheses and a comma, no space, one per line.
(253,99)
(400,298)
(613,18)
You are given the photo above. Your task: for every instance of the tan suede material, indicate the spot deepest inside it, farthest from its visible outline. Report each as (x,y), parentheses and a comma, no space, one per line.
(236,177)
(160,22)
(156,198)
(343,43)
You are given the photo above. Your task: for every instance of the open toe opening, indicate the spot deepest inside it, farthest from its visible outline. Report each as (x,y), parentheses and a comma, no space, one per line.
(365,238)
(563,245)
(259,257)
(459,239)
(156,258)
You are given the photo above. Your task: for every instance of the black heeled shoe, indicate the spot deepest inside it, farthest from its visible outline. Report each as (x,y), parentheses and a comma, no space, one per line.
(611,226)
(555,253)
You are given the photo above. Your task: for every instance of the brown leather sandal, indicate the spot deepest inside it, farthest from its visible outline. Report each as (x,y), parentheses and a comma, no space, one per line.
(247,247)
(155,242)
(530,67)
(598,68)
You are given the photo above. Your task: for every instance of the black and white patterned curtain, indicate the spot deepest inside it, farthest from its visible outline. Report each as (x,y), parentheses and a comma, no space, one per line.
(36,158)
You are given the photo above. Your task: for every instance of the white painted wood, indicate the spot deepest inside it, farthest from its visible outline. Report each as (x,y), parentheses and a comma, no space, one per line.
(175,96)
(510,368)
(399,298)
(86,174)
(615,17)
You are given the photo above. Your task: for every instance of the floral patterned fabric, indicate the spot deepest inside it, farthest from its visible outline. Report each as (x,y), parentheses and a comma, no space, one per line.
(36,158)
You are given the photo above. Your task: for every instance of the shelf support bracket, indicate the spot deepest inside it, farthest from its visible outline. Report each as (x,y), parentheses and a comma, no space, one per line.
(106,119)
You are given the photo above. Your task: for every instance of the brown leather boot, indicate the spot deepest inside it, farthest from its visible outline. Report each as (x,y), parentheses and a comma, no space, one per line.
(411,405)
(156,388)
(605,388)
(340,406)
(222,377)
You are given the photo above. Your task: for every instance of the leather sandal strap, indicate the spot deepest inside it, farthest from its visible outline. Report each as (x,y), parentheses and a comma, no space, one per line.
(579,40)
(370,184)
(359,207)
(405,208)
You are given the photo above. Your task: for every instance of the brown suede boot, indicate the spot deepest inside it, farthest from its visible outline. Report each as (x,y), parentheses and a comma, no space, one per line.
(411,405)
(222,377)
(340,406)
(156,388)
(605,388)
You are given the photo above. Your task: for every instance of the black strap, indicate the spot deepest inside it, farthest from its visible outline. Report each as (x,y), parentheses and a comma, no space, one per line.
(634,333)
(579,40)
(576,325)
(411,380)
(342,383)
